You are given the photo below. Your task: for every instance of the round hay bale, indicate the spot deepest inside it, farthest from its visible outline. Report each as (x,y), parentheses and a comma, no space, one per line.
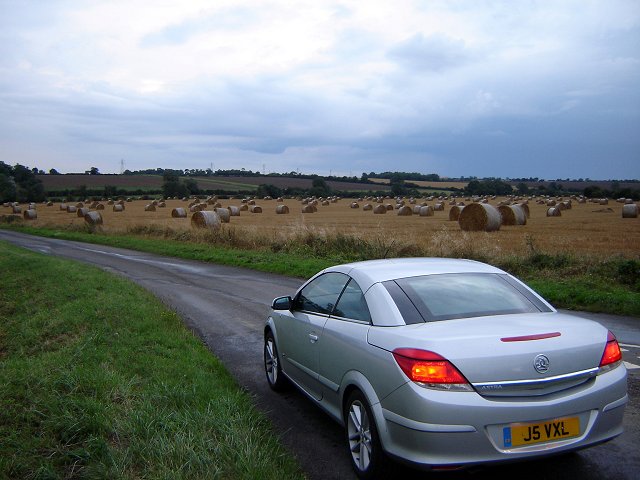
(629,210)
(512,215)
(162,204)
(100,206)
(554,212)
(628,201)
(525,207)
(179,213)
(81,212)
(326,203)
(379,209)
(255,208)
(388,206)
(251,202)
(551,203)
(49,203)
(279,199)
(404,211)
(454,213)
(426,211)
(150,207)
(234,211)
(604,201)
(354,205)
(224,214)
(93,218)
(32,214)
(282,209)
(206,219)
(367,207)
(63,207)
(71,209)
(478,217)
(79,205)
(309,208)
(118,207)
(244,207)
(439,207)
(16,209)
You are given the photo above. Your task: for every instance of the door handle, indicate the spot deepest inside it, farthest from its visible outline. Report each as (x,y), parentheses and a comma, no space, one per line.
(313,337)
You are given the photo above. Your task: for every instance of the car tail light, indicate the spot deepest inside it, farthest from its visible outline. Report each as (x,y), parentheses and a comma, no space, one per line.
(430,369)
(612,355)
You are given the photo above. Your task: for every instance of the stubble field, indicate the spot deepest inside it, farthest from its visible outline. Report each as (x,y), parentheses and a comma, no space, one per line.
(588,229)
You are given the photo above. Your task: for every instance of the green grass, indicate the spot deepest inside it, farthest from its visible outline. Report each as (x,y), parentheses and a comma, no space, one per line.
(99,380)
(571,282)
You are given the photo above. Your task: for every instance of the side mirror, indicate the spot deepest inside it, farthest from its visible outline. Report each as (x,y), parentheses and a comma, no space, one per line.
(282,303)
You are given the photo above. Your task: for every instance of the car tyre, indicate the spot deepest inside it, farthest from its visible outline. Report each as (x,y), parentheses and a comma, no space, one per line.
(367,458)
(272,367)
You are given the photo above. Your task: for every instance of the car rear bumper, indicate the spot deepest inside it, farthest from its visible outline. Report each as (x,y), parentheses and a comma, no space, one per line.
(464,428)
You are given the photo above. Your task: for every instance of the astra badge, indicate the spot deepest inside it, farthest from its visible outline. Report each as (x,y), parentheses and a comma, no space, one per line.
(541,363)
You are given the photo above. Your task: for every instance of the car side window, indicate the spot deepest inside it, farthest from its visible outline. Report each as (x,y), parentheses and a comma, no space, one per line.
(321,294)
(352,304)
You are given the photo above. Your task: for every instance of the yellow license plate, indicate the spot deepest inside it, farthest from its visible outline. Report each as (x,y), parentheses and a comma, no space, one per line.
(519,434)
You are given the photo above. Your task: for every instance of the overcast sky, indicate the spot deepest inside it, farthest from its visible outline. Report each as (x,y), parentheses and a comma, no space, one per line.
(547,89)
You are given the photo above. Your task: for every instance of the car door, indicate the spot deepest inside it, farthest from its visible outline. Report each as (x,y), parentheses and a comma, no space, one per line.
(311,309)
(344,340)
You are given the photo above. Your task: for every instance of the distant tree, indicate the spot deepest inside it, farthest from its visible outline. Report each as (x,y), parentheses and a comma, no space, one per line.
(522,188)
(53,171)
(19,183)
(319,187)
(94,171)
(191,185)
(110,191)
(268,190)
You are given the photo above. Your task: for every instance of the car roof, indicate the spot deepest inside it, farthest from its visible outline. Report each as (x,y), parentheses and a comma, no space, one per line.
(370,272)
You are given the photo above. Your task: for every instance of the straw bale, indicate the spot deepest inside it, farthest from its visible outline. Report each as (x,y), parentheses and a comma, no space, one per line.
(405,210)
(426,211)
(454,213)
(16,209)
(32,214)
(81,212)
(439,207)
(162,204)
(354,205)
(234,211)
(63,206)
(282,209)
(254,208)
(79,205)
(480,217)
(244,207)
(512,215)
(100,206)
(206,219)
(554,212)
(388,206)
(179,213)
(118,207)
(224,214)
(630,210)
(380,209)
(525,207)
(628,200)
(71,209)
(93,218)
(309,208)
(367,207)
(150,207)
(604,201)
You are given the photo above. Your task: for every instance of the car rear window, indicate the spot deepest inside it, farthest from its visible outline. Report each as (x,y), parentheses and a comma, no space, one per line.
(457,295)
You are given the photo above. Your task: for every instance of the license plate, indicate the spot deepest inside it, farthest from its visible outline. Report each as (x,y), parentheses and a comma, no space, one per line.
(518,434)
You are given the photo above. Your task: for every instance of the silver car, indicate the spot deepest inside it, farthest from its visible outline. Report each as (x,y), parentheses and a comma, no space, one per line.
(445,364)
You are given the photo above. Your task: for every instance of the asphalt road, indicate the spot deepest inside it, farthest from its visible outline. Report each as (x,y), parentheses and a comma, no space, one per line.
(227,306)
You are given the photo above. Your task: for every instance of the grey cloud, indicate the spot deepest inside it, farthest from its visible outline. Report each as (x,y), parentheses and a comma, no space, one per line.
(433,53)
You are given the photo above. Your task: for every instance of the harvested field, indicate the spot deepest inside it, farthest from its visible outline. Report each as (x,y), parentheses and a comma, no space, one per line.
(583,230)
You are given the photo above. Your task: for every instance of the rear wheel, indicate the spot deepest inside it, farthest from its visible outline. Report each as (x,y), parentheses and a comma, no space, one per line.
(272,367)
(367,458)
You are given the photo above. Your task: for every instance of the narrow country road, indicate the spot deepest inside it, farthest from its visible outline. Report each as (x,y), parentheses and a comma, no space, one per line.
(227,306)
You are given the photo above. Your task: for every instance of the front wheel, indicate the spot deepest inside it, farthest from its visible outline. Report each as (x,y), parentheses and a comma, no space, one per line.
(272,367)
(367,458)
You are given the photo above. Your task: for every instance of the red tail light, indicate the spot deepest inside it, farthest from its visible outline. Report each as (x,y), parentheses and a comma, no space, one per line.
(612,353)
(429,368)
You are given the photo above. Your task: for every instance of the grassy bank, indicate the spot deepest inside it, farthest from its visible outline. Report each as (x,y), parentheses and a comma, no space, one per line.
(610,285)
(99,380)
